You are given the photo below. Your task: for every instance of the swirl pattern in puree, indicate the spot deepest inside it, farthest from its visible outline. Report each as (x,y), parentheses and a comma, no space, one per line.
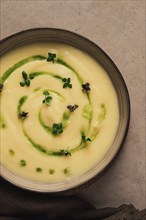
(59,116)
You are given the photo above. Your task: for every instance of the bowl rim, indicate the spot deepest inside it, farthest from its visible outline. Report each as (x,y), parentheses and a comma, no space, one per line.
(75,187)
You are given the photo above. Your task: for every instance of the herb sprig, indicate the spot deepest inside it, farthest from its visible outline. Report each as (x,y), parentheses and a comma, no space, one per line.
(51,57)
(57,129)
(72,108)
(26,79)
(67,83)
(23,115)
(48,98)
(85,139)
(86,87)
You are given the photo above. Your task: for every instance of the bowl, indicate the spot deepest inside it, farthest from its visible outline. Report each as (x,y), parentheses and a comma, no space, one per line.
(85,45)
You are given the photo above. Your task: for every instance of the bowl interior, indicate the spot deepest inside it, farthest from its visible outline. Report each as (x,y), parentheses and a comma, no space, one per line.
(66,37)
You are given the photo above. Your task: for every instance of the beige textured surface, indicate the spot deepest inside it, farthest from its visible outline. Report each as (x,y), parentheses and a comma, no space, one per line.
(118,28)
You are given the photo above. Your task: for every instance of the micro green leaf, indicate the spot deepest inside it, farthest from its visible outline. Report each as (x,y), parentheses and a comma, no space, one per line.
(65,85)
(24,75)
(48,98)
(31,76)
(22,84)
(45,93)
(27,82)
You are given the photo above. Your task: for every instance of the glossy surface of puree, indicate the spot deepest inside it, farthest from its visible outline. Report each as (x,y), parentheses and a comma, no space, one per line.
(62,120)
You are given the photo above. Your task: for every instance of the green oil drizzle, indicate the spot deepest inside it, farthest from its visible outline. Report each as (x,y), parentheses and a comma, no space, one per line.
(46,127)
(8,72)
(65,118)
(43,150)
(102,115)
(39,73)
(87,111)
(64,122)
(62,62)
(20,103)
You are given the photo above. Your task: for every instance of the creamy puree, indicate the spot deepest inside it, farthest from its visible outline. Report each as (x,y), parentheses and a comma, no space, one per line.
(62,120)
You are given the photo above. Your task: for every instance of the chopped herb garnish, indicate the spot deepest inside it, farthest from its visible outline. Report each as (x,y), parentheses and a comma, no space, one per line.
(47,99)
(22,115)
(67,83)
(51,171)
(11,152)
(51,57)
(22,163)
(1,87)
(39,170)
(26,79)
(85,139)
(72,107)
(86,87)
(64,152)
(57,129)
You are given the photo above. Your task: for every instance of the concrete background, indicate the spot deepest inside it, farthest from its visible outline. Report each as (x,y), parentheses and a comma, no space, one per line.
(117,26)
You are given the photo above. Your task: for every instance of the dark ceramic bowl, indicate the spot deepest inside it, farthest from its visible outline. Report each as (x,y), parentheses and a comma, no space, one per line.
(75,40)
